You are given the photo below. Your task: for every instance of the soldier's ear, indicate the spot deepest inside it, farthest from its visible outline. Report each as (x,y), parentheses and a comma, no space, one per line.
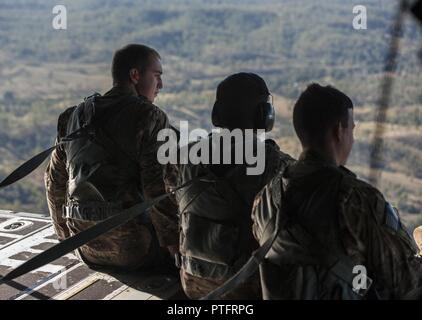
(338,131)
(134,75)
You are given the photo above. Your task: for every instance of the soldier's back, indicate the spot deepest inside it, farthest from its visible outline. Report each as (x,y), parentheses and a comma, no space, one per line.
(106,175)
(335,226)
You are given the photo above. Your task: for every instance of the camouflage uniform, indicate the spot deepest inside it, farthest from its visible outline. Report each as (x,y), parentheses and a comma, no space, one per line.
(201,272)
(134,128)
(344,217)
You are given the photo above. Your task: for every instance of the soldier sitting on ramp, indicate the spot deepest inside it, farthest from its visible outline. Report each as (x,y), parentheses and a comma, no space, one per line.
(90,180)
(338,237)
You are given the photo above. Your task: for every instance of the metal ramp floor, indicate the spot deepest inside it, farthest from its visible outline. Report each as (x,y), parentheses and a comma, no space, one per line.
(23,235)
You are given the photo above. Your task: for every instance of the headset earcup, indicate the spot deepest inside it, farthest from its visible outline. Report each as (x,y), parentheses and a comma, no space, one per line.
(265,116)
(269,116)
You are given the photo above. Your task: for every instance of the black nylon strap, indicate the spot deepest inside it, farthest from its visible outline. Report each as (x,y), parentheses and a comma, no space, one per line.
(84,132)
(27,167)
(87,235)
(81,238)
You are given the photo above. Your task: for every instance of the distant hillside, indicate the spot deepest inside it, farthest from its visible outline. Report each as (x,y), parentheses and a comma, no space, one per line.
(289,42)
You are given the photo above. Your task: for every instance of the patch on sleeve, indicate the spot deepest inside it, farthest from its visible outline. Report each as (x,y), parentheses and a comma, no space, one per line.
(393,222)
(392,218)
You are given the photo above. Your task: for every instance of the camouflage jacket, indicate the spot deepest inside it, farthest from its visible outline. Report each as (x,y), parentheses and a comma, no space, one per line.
(344,217)
(135,127)
(215,227)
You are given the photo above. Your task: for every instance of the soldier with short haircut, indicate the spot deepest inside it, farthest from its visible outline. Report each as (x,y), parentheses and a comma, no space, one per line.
(338,236)
(89,180)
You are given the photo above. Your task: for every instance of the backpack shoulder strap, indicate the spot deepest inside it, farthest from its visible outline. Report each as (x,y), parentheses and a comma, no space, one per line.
(210,178)
(97,127)
(85,131)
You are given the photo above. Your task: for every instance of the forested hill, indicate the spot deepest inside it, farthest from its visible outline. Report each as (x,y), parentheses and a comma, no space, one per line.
(289,42)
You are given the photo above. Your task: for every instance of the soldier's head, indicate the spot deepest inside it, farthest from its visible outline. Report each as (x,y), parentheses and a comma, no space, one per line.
(139,67)
(323,120)
(242,101)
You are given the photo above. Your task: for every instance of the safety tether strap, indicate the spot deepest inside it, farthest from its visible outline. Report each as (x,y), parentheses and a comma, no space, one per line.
(26,168)
(87,235)
(86,131)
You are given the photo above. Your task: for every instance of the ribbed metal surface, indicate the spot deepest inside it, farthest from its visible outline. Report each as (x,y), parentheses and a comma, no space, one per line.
(24,235)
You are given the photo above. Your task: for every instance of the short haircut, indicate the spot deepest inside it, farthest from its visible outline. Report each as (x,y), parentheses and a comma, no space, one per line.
(131,56)
(317,111)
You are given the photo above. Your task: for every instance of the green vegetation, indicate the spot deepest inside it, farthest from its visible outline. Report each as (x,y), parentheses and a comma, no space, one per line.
(289,42)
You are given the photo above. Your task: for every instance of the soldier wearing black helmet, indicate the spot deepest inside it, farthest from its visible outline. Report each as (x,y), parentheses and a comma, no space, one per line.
(215,225)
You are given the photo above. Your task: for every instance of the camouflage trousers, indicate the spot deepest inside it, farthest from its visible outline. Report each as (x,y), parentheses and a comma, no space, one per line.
(128,247)
(196,288)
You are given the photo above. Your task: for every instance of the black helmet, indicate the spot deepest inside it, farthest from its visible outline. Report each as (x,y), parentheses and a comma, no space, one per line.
(242,101)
